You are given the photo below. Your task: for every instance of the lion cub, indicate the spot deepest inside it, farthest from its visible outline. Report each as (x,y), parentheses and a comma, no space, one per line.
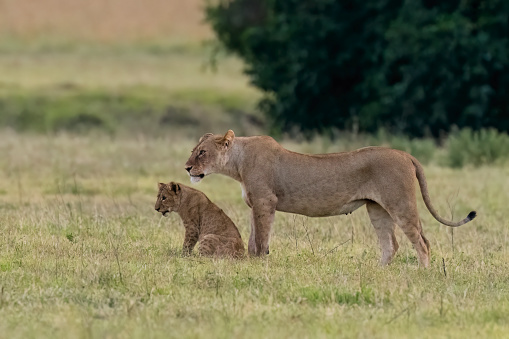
(203,221)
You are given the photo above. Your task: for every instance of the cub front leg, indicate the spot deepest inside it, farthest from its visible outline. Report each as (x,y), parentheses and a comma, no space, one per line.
(262,217)
(190,239)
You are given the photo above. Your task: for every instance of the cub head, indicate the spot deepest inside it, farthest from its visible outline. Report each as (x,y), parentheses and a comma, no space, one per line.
(168,198)
(209,156)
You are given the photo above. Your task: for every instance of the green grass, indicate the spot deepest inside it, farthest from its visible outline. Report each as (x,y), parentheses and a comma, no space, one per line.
(122,88)
(133,110)
(112,66)
(83,254)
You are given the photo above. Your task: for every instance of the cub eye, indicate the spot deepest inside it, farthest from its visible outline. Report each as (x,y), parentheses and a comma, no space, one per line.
(164,198)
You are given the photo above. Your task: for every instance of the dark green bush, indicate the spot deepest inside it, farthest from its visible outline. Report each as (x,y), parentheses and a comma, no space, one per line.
(422,148)
(414,66)
(484,147)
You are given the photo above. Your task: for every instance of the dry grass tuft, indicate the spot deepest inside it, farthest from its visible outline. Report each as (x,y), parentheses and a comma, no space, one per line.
(104,20)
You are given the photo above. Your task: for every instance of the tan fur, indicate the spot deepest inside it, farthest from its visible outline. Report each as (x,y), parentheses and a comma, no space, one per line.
(203,220)
(273,178)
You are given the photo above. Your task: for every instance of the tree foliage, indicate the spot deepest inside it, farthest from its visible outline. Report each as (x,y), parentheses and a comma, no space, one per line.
(413,66)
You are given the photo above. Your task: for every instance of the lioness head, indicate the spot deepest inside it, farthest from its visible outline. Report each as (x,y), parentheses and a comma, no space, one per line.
(168,198)
(210,154)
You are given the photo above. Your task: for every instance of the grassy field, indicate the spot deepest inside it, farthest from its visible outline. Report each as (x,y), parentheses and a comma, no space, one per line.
(83,254)
(122,66)
(129,89)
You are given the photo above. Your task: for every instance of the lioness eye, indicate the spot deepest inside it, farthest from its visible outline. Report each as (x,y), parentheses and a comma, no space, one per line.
(202,152)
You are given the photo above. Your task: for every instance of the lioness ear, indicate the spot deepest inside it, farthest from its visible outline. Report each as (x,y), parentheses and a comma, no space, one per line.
(205,136)
(228,138)
(175,187)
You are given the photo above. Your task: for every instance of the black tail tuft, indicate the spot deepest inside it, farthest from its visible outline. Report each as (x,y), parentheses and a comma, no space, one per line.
(471,215)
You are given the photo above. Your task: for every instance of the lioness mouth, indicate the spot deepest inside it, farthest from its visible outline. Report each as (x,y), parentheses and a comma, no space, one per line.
(198,176)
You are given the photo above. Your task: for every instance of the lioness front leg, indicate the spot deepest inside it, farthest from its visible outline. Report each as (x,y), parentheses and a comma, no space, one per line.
(190,240)
(263,212)
(251,245)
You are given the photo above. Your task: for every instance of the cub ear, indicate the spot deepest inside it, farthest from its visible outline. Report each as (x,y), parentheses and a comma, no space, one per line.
(228,139)
(205,136)
(161,185)
(175,187)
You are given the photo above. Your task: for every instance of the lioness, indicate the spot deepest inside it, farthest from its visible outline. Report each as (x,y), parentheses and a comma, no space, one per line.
(203,221)
(273,178)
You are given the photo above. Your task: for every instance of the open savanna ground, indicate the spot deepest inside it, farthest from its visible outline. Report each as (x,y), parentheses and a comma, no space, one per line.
(103,20)
(84,254)
(122,88)
(117,66)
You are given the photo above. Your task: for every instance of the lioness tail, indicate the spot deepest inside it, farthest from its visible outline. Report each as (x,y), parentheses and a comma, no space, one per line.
(425,196)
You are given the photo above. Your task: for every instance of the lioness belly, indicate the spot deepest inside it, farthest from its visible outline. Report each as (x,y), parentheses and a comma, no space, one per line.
(324,209)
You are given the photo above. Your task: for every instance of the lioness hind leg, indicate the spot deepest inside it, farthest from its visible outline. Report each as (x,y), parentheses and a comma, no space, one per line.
(384,227)
(411,226)
(425,240)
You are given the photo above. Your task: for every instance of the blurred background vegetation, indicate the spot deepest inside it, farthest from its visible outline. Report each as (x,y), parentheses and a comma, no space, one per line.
(416,67)
(119,67)
(412,75)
